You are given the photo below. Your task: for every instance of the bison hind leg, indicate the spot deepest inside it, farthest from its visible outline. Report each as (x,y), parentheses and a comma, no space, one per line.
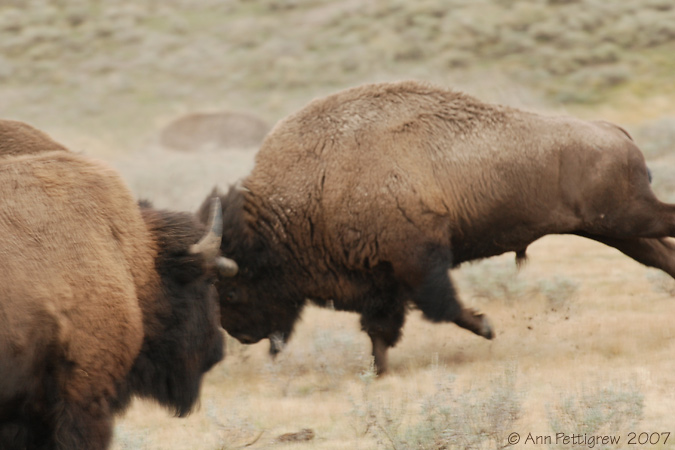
(437,299)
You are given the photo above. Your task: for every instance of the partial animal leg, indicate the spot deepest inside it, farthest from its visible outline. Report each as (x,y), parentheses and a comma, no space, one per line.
(639,216)
(83,426)
(437,299)
(384,329)
(277,343)
(652,252)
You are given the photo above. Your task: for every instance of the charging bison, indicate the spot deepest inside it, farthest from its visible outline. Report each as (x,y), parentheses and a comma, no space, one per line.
(100,300)
(367,198)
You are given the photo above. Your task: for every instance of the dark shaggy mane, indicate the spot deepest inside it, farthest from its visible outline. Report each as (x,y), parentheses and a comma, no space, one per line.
(159,372)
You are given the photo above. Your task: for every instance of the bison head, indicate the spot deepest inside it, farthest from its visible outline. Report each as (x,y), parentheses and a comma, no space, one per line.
(259,302)
(252,308)
(183,338)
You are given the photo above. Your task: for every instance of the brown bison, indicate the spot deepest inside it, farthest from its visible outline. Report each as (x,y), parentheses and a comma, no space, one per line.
(100,299)
(367,197)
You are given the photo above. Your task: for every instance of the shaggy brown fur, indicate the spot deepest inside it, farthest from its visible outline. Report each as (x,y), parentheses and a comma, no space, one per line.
(18,138)
(367,198)
(99,301)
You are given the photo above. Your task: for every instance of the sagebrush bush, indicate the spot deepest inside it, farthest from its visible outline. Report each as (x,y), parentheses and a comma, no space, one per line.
(478,417)
(234,430)
(493,279)
(612,408)
(125,438)
(332,355)
(498,280)
(661,282)
(558,290)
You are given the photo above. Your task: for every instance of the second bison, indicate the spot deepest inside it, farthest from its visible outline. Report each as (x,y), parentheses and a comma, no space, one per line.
(100,300)
(368,197)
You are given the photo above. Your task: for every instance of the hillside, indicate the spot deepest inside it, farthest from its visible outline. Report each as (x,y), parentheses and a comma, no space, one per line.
(121,69)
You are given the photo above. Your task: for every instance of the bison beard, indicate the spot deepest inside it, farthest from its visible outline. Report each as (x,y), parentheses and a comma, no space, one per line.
(100,299)
(368,197)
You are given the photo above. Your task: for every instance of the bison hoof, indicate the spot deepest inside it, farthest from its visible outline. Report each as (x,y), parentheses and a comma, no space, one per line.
(486,328)
(277,344)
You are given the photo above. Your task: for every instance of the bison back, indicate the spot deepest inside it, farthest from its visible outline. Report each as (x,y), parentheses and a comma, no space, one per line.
(74,248)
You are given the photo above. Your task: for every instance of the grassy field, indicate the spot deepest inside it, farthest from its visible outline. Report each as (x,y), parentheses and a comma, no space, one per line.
(584,341)
(605,345)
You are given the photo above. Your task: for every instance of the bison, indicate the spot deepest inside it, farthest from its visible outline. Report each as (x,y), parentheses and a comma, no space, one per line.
(366,198)
(101,299)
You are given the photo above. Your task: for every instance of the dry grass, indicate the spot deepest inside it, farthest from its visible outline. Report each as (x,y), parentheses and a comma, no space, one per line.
(617,332)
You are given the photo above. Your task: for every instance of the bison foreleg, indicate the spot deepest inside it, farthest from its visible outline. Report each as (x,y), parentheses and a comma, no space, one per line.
(437,299)
(383,326)
(277,343)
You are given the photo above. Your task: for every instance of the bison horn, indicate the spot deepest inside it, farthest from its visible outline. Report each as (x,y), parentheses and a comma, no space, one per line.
(209,245)
(226,267)
(239,186)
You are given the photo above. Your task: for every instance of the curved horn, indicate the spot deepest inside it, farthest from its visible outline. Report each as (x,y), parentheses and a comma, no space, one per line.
(239,186)
(226,267)
(209,245)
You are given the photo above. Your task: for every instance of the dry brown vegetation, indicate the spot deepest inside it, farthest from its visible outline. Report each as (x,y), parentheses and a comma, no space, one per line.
(581,330)
(609,342)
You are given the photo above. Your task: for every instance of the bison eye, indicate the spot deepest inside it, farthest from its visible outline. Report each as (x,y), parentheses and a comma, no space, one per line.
(230,295)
